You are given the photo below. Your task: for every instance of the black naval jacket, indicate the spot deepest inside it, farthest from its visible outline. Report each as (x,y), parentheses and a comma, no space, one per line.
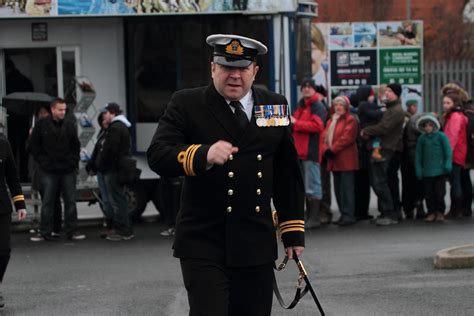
(9,176)
(225,212)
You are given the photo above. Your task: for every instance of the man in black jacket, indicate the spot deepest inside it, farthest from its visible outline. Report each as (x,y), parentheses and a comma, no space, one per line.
(55,146)
(232,143)
(115,145)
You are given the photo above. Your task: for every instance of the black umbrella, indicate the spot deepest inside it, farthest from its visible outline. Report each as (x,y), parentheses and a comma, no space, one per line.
(25,103)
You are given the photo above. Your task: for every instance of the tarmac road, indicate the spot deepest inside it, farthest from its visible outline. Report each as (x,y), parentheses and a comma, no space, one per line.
(358,270)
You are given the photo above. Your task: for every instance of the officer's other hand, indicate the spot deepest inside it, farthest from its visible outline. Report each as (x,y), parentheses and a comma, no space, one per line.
(297,249)
(219,152)
(21,214)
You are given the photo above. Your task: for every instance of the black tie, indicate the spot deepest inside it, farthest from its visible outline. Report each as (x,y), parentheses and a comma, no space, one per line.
(239,114)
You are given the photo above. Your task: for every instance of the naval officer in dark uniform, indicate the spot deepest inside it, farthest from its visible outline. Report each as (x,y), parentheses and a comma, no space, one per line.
(232,143)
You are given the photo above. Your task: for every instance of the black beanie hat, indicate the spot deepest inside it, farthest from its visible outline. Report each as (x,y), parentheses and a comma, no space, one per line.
(308,82)
(396,88)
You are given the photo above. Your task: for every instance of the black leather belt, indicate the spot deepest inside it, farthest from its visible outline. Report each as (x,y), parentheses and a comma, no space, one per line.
(300,291)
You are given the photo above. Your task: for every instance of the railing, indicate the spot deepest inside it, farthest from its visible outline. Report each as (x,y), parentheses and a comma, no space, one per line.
(438,73)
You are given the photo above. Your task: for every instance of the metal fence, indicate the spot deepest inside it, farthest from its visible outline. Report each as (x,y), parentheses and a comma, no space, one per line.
(438,73)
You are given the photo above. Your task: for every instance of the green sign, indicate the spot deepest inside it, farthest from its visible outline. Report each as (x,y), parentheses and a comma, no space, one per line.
(399,65)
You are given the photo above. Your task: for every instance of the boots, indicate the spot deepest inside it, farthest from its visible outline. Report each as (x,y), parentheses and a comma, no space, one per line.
(455,210)
(312,213)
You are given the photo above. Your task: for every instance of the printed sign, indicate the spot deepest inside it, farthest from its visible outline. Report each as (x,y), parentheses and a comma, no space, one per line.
(353,67)
(401,66)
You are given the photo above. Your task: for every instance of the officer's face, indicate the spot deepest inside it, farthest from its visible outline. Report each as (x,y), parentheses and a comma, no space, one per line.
(231,82)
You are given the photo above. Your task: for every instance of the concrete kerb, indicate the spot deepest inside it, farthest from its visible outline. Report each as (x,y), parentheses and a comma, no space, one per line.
(459,257)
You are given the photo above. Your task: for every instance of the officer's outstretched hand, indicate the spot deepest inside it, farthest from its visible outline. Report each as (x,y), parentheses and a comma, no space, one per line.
(219,152)
(297,249)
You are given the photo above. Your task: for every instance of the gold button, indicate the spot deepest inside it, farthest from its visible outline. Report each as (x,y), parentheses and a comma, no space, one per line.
(259,174)
(229,209)
(259,191)
(230,174)
(257,209)
(259,157)
(230,192)
(231,157)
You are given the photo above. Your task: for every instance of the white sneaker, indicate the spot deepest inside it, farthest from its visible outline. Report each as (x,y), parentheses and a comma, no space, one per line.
(168,232)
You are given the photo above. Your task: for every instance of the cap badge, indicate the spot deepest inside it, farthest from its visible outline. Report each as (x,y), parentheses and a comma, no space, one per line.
(234,48)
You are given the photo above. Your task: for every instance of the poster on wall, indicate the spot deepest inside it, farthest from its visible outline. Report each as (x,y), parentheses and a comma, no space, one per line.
(28,8)
(319,54)
(370,53)
(353,67)
(121,7)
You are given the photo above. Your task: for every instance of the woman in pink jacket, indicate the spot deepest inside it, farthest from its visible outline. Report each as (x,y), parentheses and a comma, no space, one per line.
(339,148)
(455,123)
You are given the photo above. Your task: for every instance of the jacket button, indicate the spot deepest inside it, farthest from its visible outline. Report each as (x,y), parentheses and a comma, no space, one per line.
(230,192)
(259,157)
(259,175)
(230,174)
(259,191)
(231,157)
(257,209)
(229,209)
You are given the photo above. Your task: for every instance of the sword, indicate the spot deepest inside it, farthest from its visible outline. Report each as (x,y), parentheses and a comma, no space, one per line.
(300,292)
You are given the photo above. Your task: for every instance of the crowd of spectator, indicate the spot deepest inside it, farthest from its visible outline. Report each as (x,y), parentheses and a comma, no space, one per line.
(366,140)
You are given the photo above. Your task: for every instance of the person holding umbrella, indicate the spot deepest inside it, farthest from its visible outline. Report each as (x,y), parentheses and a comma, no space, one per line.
(9,176)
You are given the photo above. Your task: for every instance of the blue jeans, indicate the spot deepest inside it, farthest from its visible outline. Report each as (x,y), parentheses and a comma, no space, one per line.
(66,184)
(379,181)
(119,204)
(344,191)
(312,179)
(106,206)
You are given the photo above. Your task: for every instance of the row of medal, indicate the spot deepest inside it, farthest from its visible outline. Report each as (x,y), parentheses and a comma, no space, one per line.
(272,115)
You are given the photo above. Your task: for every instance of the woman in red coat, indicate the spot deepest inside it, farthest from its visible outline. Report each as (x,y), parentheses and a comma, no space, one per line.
(339,148)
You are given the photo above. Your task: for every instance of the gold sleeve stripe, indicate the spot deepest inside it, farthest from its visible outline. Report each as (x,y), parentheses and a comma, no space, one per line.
(190,160)
(18,198)
(292,222)
(185,161)
(292,229)
(186,158)
(288,226)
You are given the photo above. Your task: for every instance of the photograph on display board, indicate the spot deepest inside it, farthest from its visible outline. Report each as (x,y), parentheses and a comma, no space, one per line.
(319,54)
(81,7)
(28,8)
(341,42)
(340,29)
(406,33)
(365,28)
(365,40)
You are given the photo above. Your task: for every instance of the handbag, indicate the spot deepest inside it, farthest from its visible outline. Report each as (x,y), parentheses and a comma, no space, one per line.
(127,170)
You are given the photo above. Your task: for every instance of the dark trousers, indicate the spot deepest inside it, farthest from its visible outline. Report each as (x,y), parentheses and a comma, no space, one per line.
(379,181)
(394,181)
(51,184)
(411,193)
(434,189)
(57,213)
(325,206)
(5,223)
(118,201)
(216,290)
(343,188)
(362,193)
(466,186)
